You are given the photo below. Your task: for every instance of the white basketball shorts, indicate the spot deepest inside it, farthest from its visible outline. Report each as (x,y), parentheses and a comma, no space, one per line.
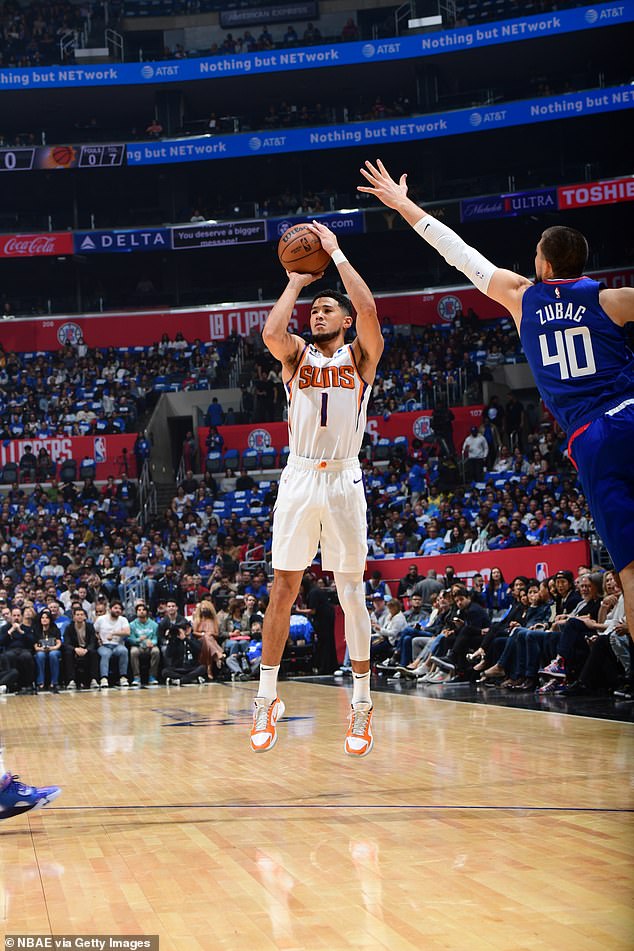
(320,503)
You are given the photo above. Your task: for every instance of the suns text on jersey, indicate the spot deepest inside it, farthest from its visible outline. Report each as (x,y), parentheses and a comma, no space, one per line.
(325,377)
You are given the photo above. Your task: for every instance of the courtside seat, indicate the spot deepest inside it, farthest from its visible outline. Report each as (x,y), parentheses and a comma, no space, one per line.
(231,459)
(268,458)
(250,459)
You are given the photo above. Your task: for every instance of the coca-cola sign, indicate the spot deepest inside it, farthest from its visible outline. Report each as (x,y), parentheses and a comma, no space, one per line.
(35,245)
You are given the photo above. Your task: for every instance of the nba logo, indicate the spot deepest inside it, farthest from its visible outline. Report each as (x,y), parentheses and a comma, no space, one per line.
(99,450)
(541,570)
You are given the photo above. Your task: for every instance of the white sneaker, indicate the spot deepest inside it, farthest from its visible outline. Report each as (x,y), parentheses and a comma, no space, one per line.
(94,685)
(266,713)
(395,678)
(71,685)
(123,682)
(3,688)
(104,682)
(359,740)
(172,682)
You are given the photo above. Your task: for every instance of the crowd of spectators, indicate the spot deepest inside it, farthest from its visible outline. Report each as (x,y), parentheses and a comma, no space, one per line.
(566,633)
(30,34)
(79,391)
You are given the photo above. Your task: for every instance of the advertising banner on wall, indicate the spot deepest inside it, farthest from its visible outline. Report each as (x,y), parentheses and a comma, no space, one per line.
(540,561)
(113,454)
(209,235)
(137,239)
(509,205)
(413,425)
(596,193)
(36,245)
(478,36)
(144,328)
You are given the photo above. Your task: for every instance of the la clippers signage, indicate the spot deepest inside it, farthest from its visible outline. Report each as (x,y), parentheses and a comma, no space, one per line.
(596,193)
(416,425)
(145,328)
(113,455)
(36,245)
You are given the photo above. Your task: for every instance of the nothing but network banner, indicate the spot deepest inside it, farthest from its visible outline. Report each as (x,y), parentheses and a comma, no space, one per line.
(478,36)
(431,126)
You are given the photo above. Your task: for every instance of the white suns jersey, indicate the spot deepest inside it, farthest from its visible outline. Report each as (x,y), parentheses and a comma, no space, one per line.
(327,405)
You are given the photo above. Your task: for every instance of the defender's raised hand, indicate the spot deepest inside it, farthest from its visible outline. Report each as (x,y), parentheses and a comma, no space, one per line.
(383,186)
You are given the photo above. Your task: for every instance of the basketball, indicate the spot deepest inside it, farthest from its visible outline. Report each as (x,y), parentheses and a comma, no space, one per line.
(300,250)
(61,156)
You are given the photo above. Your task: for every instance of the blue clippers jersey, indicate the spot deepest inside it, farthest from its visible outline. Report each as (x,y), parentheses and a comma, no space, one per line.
(578,356)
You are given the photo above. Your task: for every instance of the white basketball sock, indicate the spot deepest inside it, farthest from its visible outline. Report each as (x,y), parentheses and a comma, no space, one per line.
(268,682)
(361,688)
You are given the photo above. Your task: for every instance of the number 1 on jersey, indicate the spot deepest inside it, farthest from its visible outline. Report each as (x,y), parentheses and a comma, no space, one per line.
(324,409)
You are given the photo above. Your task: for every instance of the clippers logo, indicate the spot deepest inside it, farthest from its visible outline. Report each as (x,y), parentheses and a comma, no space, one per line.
(69,333)
(259,439)
(325,377)
(422,427)
(448,307)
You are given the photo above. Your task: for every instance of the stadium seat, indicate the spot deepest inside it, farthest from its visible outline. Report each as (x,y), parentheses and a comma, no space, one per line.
(268,458)
(9,473)
(88,469)
(231,459)
(213,462)
(250,459)
(284,454)
(382,450)
(68,471)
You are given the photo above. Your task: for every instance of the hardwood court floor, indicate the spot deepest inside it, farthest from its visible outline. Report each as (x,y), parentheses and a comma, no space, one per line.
(468,827)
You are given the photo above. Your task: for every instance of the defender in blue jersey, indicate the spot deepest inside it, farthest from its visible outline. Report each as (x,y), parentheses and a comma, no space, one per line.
(571,329)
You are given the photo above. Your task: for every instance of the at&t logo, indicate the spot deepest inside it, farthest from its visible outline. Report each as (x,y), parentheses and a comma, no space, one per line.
(255,143)
(448,306)
(69,333)
(147,72)
(368,50)
(591,16)
(475,119)
(260,439)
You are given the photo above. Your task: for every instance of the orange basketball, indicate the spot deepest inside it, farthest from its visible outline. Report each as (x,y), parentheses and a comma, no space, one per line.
(62,155)
(300,250)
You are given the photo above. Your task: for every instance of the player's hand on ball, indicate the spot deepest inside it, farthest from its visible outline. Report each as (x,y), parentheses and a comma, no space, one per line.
(328,240)
(302,280)
(384,187)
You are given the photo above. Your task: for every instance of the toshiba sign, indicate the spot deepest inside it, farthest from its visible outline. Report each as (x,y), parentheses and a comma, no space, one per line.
(596,193)
(35,245)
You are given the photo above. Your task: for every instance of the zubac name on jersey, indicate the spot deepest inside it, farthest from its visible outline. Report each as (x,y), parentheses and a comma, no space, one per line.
(326,377)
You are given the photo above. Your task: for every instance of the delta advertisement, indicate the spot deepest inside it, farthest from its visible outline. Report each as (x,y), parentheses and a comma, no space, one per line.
(145,328)
(437,43)
(415,425)
(113,455)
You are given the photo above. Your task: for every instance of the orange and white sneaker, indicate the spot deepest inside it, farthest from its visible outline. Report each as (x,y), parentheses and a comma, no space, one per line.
(359,739)
(266,713)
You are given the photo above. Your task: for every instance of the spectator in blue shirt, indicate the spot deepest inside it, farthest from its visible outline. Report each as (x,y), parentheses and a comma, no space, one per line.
(433,544)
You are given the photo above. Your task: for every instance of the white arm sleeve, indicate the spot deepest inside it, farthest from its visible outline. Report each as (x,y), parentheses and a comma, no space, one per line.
(456,252)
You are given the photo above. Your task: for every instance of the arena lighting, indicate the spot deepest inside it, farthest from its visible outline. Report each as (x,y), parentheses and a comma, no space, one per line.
(424,21)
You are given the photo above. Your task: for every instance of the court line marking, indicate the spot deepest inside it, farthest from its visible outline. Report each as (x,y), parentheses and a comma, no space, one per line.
(364,806)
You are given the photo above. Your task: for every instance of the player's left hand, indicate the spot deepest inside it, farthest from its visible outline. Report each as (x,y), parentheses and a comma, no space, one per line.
(328,239)
(302,280)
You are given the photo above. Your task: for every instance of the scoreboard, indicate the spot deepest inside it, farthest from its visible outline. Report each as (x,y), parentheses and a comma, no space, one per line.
(61,156)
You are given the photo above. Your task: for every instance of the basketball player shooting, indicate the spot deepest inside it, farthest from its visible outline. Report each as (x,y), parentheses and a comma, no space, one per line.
(572,332)
(321,498)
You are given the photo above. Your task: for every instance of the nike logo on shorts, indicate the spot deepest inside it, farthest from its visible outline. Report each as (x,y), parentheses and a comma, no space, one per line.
(355,481)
